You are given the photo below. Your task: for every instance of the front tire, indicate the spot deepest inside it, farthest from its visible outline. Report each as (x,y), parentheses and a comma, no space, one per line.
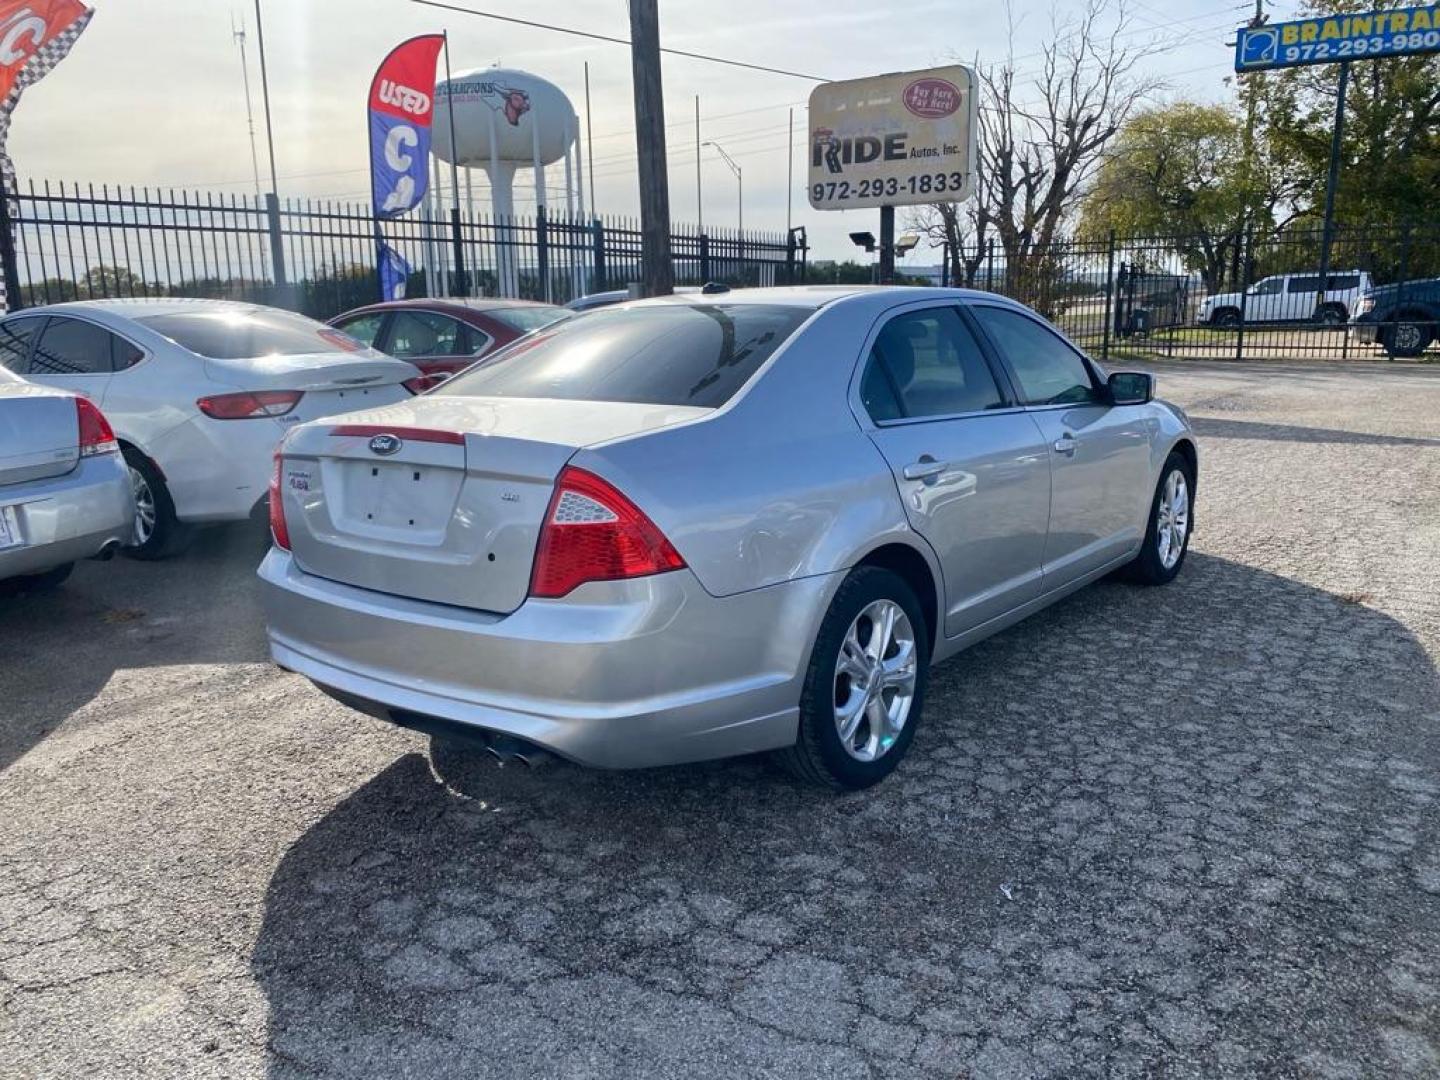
(157,532)
(1167,534)
(1226,318)
(865,687)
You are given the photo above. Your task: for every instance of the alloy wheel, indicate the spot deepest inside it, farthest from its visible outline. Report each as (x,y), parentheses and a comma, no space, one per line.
(144,508)
(1172,519)
(875,680)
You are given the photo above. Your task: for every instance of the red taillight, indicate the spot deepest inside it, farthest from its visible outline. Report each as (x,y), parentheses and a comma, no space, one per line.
(249,404)
(278,529)
(96,435)
(593,533)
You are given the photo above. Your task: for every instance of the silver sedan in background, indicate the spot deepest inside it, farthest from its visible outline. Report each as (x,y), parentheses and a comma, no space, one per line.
(64,488)
(699,526)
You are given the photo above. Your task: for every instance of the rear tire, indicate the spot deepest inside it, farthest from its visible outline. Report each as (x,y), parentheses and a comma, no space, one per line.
(1407,338)
(821,755)
(1332,315)
(44,581)
(1226,317)
(158,533)
(1172,511)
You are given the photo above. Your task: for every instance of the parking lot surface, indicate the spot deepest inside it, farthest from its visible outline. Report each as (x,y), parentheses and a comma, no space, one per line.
(1187,832)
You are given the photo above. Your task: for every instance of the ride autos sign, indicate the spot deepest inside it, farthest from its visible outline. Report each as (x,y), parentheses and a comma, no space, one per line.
(402,103)
(893,140)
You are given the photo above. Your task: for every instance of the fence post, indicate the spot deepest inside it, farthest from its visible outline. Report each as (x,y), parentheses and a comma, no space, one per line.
(1247,252)
(990,265)
(457,242)
(1109,277)
(542,252)
(599,230)
(11,266)
(277,248)
(704,258)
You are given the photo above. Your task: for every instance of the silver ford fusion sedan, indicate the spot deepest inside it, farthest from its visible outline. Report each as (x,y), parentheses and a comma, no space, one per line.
(698,526)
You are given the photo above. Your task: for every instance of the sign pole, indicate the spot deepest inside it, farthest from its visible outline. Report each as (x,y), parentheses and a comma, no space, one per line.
(1331,181)
(887,245)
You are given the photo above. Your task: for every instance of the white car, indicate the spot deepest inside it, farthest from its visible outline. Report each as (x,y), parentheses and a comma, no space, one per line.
(199,393)
(1289,298)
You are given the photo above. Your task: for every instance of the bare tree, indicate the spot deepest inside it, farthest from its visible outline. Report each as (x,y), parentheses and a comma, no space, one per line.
(1035,155)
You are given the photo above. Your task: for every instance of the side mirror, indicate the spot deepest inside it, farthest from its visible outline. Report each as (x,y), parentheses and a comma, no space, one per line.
(1131,387)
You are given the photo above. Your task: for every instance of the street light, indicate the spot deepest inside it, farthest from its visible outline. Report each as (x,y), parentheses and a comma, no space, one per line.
(739,181)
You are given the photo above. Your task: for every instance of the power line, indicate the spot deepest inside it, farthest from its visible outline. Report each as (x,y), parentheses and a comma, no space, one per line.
(618,41)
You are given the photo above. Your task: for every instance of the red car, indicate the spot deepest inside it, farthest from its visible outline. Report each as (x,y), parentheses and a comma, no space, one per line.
(446,335)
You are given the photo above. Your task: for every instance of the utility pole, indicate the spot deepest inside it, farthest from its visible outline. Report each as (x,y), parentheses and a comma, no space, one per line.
(657,270)
(739,182)
(1247,204)
(699,202)
(790,170)
(238,33)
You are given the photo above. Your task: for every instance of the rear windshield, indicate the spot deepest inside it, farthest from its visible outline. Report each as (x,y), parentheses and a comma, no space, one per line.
(526,319)
(245,334)
(662,354)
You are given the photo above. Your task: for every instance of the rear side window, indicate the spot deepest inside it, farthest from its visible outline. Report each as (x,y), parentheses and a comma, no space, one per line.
(15,338)
(927,363)
(245,334)
(363,328)
(72,347)
(1047,371)
(664,354)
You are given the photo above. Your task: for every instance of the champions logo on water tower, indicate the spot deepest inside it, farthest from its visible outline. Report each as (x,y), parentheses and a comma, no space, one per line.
(511,101)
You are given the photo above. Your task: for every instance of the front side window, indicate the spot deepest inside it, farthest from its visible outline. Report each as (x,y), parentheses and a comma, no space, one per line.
(660,354)
(15,335)
(1344,283)
(1047,370)
(927,363)
(1303,284)
(1268,287)
(424,333)
(71,347)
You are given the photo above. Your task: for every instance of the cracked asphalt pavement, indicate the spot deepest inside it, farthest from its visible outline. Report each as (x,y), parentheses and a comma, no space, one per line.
(1187,832)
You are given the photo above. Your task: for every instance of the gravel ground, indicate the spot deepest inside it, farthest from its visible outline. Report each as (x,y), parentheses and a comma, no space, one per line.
(1189,832)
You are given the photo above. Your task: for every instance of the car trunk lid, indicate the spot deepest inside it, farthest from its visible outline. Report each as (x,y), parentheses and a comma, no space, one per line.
(39,433)
(441,499)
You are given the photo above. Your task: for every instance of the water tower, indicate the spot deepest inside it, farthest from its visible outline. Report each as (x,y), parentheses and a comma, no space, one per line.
(505,120)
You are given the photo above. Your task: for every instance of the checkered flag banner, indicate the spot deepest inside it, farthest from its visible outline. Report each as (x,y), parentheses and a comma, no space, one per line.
(22,24)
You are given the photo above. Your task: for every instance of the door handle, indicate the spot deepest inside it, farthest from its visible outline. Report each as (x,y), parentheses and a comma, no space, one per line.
(1066,445)
(927,468)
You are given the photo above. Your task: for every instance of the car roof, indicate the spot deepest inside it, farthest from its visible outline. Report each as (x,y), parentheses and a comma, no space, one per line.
(142,306)
(469,303)
(818,296)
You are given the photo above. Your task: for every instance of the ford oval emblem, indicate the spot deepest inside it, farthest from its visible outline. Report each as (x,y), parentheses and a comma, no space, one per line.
(385,445)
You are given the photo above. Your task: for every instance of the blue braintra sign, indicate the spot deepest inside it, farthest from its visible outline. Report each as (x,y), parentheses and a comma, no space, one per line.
(1328,39)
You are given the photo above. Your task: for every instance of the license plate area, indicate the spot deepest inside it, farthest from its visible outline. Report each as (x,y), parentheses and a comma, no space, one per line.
(400,501)
(10,535)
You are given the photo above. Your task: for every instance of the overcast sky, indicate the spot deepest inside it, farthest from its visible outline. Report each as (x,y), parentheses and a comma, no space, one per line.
(152,92)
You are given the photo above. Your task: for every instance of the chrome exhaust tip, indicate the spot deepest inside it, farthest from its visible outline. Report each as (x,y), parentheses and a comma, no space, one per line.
(508,748)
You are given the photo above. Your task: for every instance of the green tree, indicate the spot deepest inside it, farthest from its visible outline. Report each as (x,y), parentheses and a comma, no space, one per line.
(1390,154)
(1175,171)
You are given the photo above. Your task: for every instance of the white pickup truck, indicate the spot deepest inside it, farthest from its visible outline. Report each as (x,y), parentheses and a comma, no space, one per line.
(1289,298)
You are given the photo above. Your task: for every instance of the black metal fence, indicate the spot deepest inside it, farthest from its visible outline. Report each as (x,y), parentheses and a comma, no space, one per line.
(69,242)
(1252,296)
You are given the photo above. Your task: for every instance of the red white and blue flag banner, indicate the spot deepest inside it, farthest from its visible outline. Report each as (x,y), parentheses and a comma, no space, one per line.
(402,103)
(35,35)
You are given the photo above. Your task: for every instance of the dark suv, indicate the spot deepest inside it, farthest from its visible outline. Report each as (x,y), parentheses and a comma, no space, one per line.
(1403,319)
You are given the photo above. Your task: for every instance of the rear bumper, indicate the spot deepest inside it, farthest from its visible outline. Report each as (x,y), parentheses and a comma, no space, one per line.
(653,671)
(69,517)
